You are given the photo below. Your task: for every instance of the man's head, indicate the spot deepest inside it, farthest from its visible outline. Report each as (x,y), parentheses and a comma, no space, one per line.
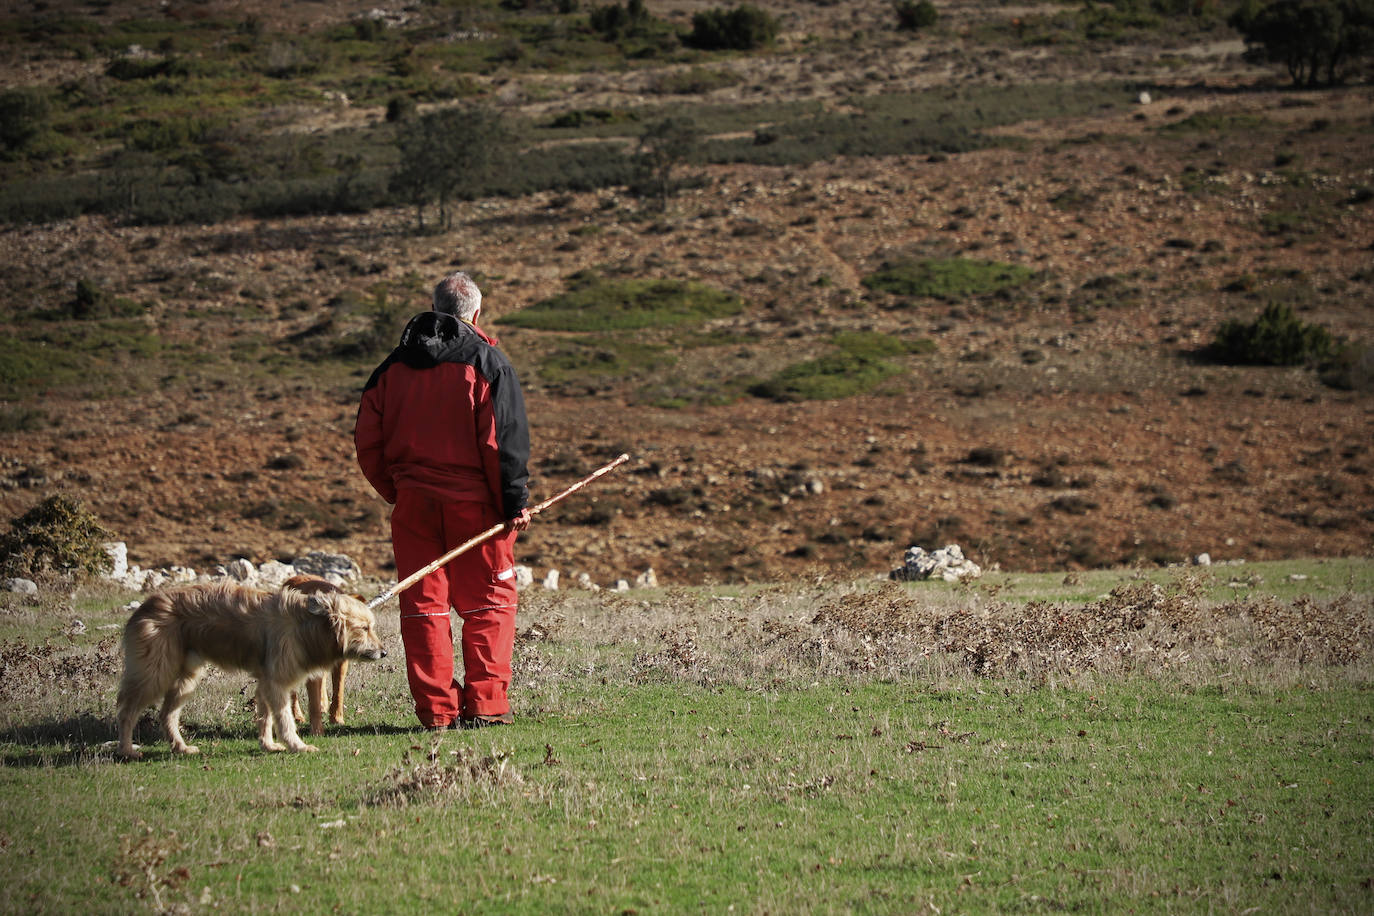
(459,296)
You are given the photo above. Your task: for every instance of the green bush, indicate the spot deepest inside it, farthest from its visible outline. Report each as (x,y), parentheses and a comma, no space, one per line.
(744,28)
(57,534)
(946,278)
(1275,338)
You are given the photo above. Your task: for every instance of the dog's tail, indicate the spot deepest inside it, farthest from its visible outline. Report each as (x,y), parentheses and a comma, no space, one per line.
(151,666)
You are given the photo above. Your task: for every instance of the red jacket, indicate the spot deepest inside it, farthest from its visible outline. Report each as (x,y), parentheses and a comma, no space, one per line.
(444,413)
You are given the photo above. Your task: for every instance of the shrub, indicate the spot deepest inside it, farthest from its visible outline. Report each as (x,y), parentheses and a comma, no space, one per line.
(56,534)
(1275,338)
(913,15)
(23,117)
(743,28)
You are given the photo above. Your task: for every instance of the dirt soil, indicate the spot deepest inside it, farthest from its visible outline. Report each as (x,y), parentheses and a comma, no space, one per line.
(1085,431)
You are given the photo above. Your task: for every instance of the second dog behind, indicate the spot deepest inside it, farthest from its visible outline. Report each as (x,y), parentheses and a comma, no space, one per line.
(314,685)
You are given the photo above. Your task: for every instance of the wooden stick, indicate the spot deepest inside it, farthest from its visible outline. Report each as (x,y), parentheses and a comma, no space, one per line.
(487,535)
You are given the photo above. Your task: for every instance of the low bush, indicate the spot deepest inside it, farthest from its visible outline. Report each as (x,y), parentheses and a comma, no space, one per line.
(1276,338)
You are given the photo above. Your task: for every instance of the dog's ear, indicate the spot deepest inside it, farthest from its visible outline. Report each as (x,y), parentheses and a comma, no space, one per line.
(318,604)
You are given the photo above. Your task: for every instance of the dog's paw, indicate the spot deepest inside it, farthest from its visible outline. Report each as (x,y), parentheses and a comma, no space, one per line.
(304,748)
(272,747)
(187,749)
(130,753)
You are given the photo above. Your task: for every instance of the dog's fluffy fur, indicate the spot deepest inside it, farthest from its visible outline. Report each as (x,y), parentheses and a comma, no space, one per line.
(278,638)
(314,684)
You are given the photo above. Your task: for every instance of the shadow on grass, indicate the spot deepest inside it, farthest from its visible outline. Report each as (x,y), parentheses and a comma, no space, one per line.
(86,739)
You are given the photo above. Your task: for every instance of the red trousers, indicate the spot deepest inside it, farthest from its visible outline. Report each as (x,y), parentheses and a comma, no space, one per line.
(479,585)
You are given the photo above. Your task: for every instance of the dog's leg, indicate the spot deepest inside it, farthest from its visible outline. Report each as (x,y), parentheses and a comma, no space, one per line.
(296,712)
(314,691)
(336,700)
(133,699)
(175,698)
(279,714)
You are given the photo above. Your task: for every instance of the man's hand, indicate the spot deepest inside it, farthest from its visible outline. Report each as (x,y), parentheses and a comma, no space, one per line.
(521,521)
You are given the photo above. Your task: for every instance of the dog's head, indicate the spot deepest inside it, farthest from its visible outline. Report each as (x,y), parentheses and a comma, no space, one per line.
(354,626)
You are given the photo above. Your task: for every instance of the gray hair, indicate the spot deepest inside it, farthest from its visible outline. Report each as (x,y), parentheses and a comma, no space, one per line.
(457,295)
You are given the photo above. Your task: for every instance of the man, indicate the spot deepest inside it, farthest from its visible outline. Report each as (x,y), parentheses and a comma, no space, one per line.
(442,434)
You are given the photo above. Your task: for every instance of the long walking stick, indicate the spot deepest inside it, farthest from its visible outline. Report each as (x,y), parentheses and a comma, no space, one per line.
(487,535)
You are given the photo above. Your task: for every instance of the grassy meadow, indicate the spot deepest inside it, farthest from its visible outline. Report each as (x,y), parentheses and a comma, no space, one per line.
(1179,741)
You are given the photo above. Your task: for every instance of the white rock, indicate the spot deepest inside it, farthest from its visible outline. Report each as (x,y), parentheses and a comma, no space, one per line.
(118,552)
(551,580)
(273,573)
(242,571)
(524,577)
(20,586)
(947,563)
(334,568)
(646,579)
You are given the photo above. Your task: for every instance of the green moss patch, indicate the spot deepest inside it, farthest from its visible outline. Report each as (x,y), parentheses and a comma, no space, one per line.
(946,278)
(594,303)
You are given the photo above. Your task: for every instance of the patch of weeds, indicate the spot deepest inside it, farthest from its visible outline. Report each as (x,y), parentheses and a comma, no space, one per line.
(604,358)
(142,867)
(876,345)
(1073,199)
(56,534)
(946,278)
(22,419)
(594,303)
(462,775)
(696,81)
(1216,122)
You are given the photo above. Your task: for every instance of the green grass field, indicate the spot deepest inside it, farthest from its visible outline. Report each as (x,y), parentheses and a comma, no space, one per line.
(759,750)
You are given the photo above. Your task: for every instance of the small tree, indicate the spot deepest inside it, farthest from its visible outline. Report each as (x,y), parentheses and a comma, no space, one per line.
(447,155)
(615,21)
(663,147)
(1314,39)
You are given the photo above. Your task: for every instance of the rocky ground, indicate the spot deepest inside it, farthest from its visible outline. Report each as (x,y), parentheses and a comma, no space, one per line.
(1079,427)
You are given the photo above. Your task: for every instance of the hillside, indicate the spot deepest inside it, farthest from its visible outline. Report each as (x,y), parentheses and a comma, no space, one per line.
(1071,420)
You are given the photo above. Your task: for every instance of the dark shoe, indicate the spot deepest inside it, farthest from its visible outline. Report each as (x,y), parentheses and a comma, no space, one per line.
(439,728)
(504,718)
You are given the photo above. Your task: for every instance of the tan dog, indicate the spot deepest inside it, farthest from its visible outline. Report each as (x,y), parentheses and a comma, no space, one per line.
(314,685)
(278,638)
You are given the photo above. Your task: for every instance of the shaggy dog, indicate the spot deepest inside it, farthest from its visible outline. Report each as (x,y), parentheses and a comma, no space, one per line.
(314,685)
(278,638)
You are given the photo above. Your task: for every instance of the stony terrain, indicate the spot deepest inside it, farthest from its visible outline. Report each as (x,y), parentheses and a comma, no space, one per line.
(1081,428)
